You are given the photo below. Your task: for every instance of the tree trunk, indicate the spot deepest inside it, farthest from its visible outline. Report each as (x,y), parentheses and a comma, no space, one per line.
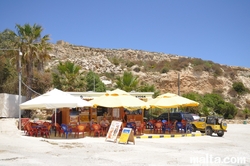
(40,67)
(29,69)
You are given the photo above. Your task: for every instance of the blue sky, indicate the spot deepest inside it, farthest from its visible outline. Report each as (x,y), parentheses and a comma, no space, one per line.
(216,30)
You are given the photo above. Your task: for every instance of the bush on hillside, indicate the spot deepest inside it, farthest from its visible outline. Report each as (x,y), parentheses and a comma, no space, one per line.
(240,88)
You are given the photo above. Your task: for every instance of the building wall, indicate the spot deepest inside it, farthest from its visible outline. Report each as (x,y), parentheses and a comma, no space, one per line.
(146,96)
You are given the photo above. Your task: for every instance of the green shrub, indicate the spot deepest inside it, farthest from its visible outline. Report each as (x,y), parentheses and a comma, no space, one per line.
(137,69)
(217,70)
(130,64)
(240,88)
(164,70)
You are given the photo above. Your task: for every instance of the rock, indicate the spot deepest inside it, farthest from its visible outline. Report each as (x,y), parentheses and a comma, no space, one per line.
(248,100)
(201,81)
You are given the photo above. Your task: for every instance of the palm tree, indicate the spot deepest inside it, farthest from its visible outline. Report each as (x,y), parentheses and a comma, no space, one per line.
(29,41)
(43,48)
(149,88)
(127,82)
(68,77)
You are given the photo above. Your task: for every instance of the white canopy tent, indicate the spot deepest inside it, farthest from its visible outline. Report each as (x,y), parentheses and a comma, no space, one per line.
(55,99)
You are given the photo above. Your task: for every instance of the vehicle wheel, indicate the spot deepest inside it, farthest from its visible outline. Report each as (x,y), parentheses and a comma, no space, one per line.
(193,128)
(209,131)
(220,134)
(202,131)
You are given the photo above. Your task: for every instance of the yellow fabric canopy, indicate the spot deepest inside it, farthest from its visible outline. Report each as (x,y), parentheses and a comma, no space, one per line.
(170,100)
(119,98)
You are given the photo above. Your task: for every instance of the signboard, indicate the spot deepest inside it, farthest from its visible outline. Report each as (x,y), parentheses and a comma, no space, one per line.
(113,131)
(127,136)
(73,118)
(83,118)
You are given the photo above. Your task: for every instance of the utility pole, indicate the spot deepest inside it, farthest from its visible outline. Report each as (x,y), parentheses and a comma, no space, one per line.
(94,83)
(179,84)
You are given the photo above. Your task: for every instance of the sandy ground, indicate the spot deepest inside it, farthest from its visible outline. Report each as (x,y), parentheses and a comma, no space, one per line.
(232,149)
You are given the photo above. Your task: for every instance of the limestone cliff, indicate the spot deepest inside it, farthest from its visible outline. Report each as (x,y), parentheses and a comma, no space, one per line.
(191,80)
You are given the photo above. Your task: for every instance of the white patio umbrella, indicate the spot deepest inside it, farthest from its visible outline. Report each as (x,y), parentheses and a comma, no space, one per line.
(55,99)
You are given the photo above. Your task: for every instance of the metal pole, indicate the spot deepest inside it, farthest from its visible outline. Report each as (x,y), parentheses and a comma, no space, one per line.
(20,86)
(179,84)
(94,83)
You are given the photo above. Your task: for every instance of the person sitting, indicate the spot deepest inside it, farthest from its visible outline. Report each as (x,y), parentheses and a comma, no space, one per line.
(91,125)
(174,126)
(104,124)
(184,122)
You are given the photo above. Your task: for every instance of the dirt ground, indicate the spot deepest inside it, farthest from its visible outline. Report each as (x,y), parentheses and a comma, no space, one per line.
(231,149)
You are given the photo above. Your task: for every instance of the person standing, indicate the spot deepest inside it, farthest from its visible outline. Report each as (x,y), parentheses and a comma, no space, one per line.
(125,118)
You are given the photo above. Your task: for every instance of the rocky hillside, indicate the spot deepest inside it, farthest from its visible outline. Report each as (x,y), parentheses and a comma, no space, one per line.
(191,79)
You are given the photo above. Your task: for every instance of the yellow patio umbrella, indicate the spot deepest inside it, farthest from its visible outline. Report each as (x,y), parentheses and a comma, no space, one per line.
(119,98)
(170,100)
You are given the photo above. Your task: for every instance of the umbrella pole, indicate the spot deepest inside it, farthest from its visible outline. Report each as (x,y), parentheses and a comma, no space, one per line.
(169,123)
(55,121)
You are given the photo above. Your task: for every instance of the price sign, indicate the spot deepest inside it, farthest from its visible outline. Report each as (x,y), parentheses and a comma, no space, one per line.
(113,131)
(127,136)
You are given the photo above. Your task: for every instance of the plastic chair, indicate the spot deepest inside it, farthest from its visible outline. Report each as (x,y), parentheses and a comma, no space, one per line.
(73,126)
(151,125)
(66,130)
(25,130)
(180,127)
(165,126)
(24,121)
(80,129)
(36,127)
(158,127)
(30,131)
(97,129)
(45,131)
(141,128)
(33,124)
(132,126)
